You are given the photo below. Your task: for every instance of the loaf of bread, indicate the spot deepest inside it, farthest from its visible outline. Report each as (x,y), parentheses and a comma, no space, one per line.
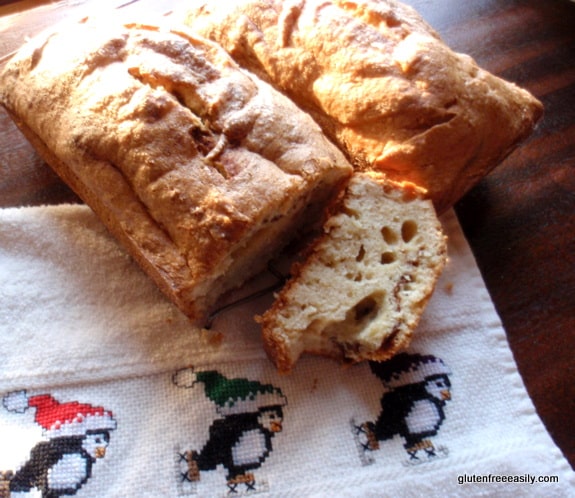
(200,169)
(381,83)
(362,288)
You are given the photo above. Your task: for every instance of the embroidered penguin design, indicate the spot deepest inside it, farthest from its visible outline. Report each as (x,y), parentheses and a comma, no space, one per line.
(77,435)
(241,439)
(413,407)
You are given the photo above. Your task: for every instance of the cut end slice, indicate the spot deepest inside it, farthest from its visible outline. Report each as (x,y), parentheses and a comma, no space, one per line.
(361,290)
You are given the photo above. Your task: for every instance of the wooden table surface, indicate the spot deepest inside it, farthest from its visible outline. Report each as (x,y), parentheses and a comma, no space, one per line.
(519,221)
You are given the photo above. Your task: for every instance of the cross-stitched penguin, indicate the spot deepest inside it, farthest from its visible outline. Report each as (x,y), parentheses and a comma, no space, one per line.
(77,435)
(240,441)
(418,388)
(60,466)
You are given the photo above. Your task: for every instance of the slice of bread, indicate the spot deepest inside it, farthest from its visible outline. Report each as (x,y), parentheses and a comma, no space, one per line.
(360,291)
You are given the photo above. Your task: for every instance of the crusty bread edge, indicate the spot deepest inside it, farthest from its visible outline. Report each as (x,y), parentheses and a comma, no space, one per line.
(136,242)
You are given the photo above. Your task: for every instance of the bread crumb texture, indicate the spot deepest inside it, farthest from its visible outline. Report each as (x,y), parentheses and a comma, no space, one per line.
(361,291)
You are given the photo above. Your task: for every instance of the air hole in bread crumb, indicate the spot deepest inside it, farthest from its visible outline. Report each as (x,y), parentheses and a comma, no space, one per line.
(408,230)
(355,277)
(387,258)
(357,318)
(360,254)
(389,235)
(350,212)
(366,309)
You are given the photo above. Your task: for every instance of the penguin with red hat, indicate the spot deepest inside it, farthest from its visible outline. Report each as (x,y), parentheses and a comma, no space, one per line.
(76,436)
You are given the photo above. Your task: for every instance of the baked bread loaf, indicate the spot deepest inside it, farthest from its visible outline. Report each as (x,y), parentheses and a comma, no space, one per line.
(360,292)
(381,83)
(200,169)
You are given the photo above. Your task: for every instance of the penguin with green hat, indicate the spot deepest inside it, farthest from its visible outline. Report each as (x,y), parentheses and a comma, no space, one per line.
(241,440)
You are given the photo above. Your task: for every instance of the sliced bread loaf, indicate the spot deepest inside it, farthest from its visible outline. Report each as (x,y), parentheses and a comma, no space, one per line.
(201,170)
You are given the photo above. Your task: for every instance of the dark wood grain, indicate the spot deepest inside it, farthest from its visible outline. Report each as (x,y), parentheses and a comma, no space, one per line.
(520,220)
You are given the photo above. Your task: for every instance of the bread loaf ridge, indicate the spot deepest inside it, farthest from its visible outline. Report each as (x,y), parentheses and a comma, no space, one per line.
(200,169)
(382,85)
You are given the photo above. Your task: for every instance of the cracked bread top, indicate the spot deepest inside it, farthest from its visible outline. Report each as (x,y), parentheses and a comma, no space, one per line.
(185,157)
(381,83)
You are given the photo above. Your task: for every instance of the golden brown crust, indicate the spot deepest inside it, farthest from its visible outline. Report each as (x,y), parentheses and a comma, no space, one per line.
(201,170)
(148,245)
(382,85)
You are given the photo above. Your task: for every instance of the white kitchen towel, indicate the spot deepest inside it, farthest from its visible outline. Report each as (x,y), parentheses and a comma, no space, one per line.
(108,392)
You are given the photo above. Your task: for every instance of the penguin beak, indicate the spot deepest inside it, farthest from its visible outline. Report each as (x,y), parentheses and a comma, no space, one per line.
(445,395)
(276,426)
(100,452)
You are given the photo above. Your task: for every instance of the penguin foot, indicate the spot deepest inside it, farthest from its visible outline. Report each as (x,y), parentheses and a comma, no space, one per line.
(425,446)
(193,472)
(248,480)
(366,436)
(5,478)
(365,440)
(424,451)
